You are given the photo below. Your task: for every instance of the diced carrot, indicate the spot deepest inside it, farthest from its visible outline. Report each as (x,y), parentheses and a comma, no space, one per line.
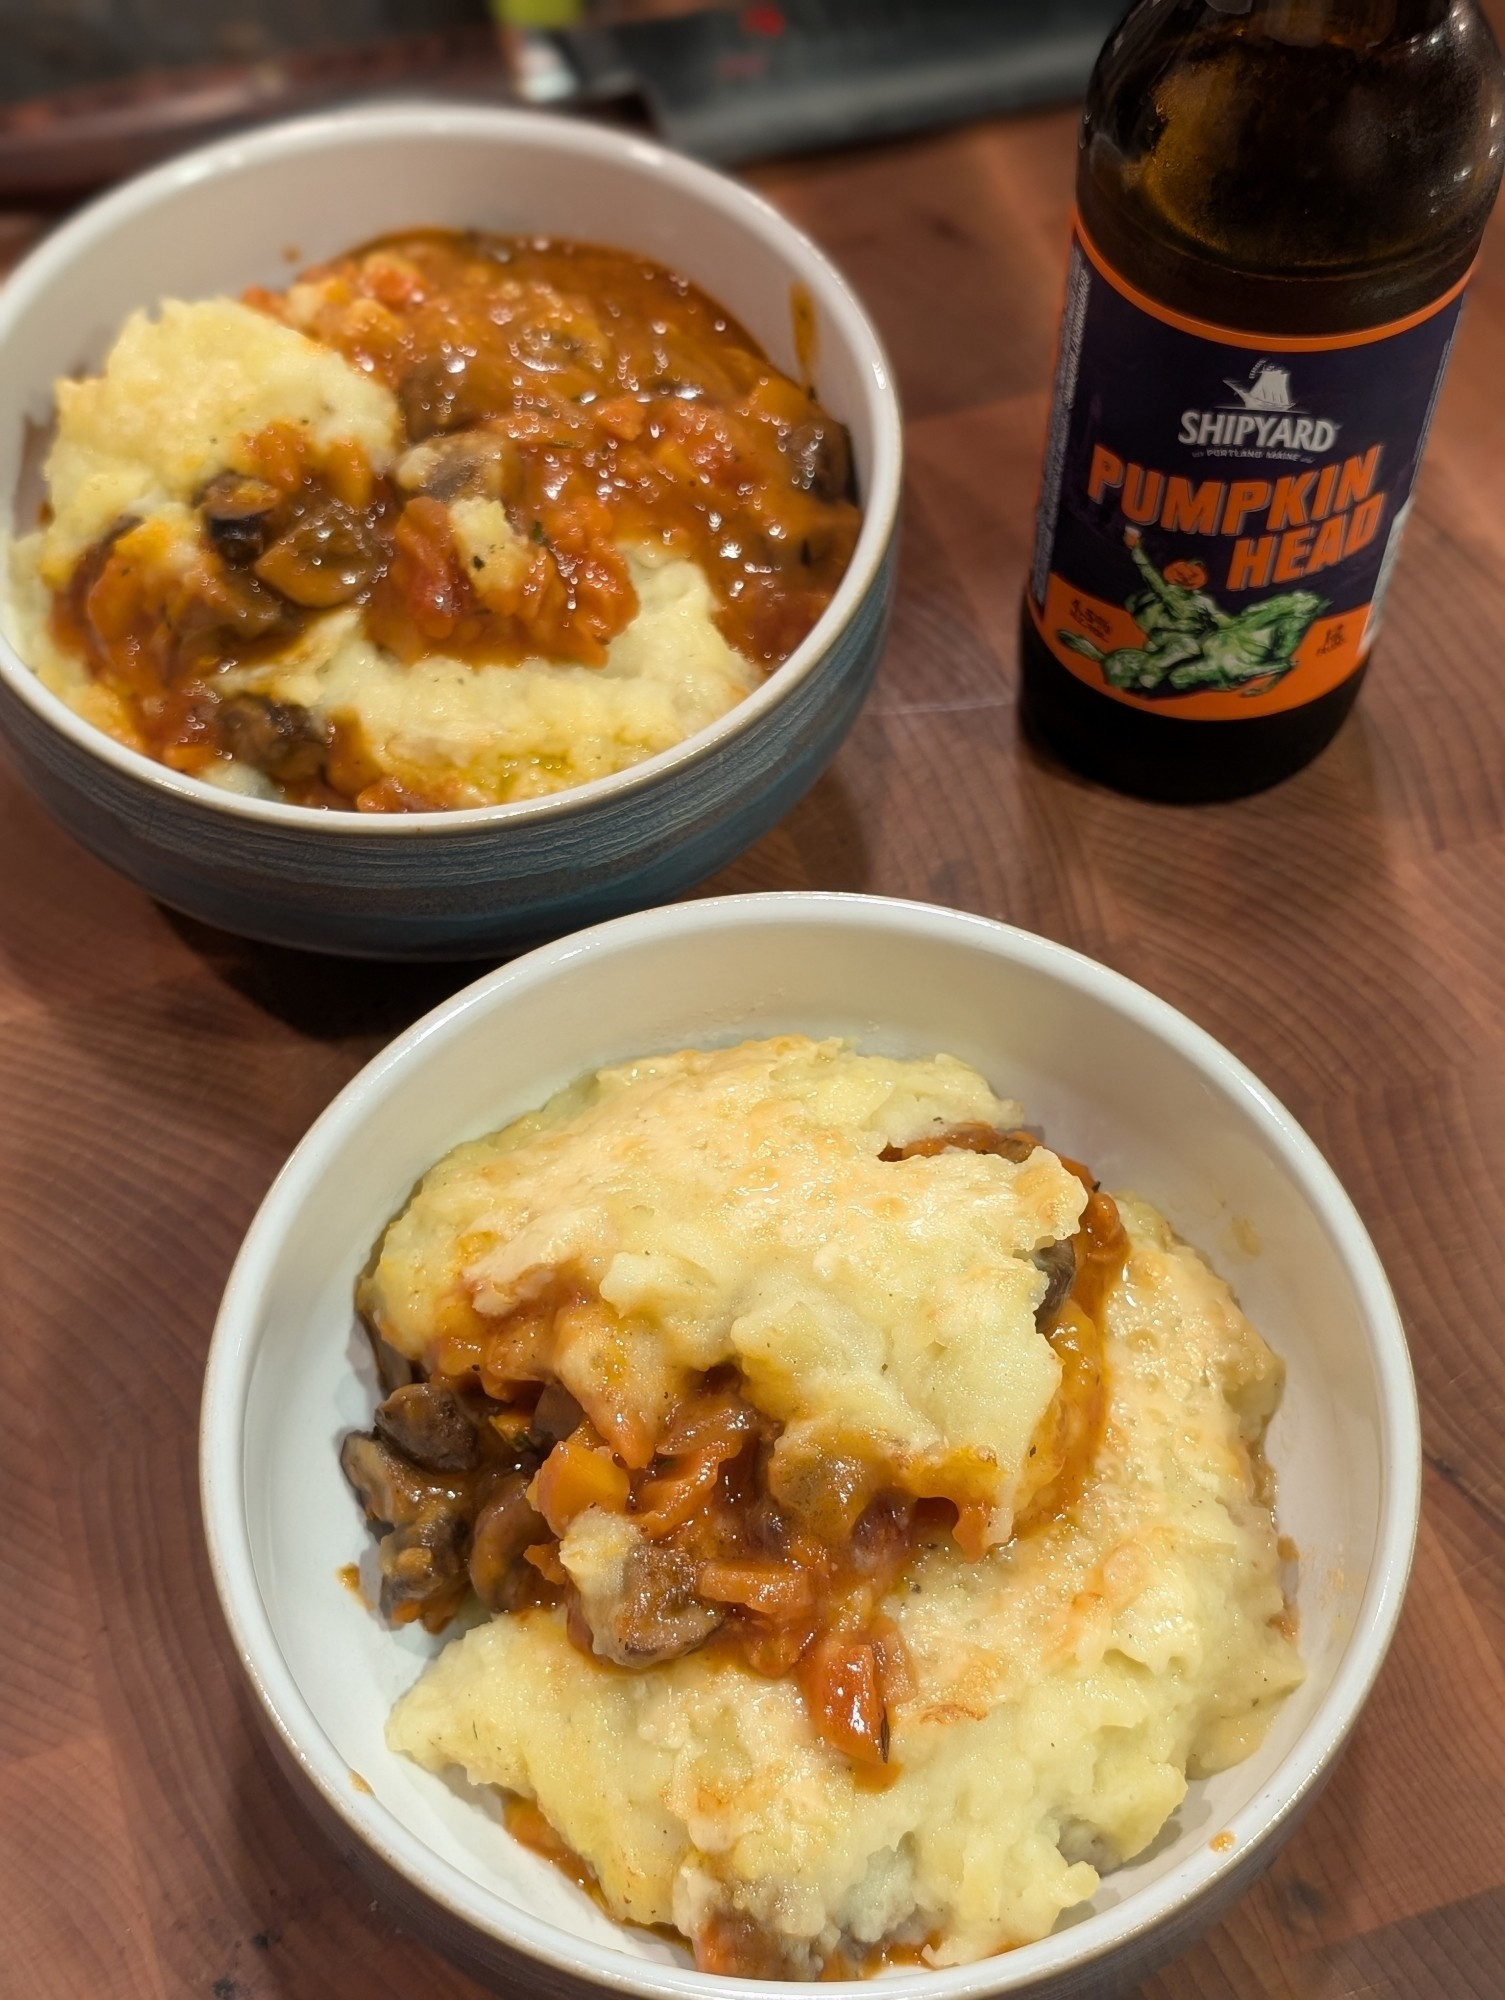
(595,1364)
(420,599)
(971,1531)
(527,1825)
(895,1673)
(348,471)
(776,1650)
(732,1943)
(775,1590)
(280,454)
(392,280)
(454,1354)
(519,1348)
(577,1475)
(841,1684)
(544,1556)
(390,795)
(623,417)
(667,1502)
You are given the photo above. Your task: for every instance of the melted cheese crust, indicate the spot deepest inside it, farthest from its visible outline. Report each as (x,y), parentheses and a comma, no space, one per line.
(732,1206)
(1065,1686)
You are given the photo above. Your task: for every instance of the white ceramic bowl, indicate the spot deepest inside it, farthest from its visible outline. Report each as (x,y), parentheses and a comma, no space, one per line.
(1116,1077)
(456,884)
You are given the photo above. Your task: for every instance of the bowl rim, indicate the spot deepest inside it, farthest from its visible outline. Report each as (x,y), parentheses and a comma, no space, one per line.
(232,1356)
(323,133)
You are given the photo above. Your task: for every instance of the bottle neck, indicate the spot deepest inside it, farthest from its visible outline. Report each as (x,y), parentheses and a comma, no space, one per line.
(1301,166)
(1359,25)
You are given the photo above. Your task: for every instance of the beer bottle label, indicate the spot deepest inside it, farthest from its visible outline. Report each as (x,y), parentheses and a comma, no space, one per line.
(1220,512)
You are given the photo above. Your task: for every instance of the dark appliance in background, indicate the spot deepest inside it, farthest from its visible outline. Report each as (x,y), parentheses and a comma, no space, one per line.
(743,83)
(93,89)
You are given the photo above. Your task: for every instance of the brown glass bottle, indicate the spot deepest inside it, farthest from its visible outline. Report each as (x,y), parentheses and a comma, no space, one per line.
(1308,168)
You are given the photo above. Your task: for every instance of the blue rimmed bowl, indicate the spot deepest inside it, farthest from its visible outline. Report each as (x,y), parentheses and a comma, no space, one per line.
(452,884)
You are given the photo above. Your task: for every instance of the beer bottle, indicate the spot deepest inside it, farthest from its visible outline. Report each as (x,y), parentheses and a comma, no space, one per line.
(1278,205)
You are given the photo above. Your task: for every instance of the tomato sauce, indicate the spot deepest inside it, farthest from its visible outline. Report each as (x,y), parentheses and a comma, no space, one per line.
(602,400)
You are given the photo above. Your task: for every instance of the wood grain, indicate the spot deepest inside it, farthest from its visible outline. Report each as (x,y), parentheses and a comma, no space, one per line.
(1342,935)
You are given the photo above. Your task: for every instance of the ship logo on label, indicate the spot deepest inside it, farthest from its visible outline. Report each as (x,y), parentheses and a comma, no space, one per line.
(1270,388)
(1265,422)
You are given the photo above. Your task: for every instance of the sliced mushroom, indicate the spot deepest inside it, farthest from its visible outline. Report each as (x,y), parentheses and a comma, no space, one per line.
(720,1418)
(223,613)
(769,1528)
(278,737)
(391,1487)
(881,1538)
(505,1526)
(557,1414)
(422,1558)
(730,1941)
(824,1486)
(327,557)
(637,1599)
(1015,1146)
(393,1369)
(237,512)
(428,1422)
(423,1561)
(820,458)
(657,1616)
(1058,1262)
(434,397)
(471,465)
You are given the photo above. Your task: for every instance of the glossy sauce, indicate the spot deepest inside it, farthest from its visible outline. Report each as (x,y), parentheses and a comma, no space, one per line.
(602,400)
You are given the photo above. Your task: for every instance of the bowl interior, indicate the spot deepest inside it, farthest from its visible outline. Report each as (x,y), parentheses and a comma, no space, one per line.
(1093,1059)
(251,211)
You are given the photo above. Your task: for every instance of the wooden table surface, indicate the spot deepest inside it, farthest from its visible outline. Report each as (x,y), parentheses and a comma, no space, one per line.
(1341,934)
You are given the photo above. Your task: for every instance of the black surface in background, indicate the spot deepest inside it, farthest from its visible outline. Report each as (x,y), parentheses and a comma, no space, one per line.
(53,45)
(748,82)
(730,84)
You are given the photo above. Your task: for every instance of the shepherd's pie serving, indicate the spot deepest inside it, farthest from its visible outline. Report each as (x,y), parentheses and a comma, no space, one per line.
(870,1510)
(453,520)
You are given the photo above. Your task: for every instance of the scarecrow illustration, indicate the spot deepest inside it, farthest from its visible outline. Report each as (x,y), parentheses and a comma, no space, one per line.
(1191,645)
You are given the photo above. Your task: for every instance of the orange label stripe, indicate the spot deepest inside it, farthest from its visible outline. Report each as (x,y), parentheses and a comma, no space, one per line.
(1269,343)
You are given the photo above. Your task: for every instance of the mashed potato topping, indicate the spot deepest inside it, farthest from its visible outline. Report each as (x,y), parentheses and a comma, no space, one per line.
(445,730)
(179,399)
(453,521)
(847,1270)
(858,1299)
